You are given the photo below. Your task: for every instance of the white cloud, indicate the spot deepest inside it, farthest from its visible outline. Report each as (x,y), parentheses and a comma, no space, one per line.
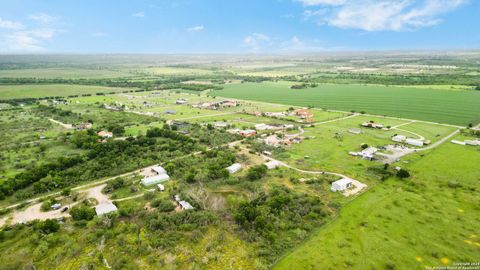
(12,25)
(19,38)
(256,41)
(42,18)
(380,15)
(139,14)
(197,28)
(23,42)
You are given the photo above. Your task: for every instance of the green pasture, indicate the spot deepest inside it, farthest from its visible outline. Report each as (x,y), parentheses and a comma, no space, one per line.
(50,90)
(454,107)
(64,73)
(402,224)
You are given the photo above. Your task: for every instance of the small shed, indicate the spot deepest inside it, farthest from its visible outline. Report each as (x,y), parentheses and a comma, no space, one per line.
(157,179)
(342,184)
(234,168)
(105,208)
(160,187)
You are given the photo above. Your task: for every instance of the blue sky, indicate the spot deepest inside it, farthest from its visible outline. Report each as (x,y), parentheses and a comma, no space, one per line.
(243,26)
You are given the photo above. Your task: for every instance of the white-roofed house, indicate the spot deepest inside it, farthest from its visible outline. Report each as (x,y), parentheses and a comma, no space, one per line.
(342,184)
(157,179)
(160,187)
(158,170)
(414,142)
(185,205)
(234,168)
(399,138)
(105,208)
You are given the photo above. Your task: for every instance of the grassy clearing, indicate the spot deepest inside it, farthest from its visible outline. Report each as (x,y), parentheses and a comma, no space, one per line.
(49,90)
(402,224)
(63,73)
(455,107)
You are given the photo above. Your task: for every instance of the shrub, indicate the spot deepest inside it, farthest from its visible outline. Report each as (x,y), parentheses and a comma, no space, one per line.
(402,173)
(82,212)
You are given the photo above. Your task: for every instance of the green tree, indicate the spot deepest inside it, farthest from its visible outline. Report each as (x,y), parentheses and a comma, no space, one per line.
(82,212)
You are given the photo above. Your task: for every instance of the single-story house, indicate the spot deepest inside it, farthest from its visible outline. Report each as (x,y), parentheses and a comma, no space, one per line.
(160,187)
(272,164)
(105,208)
(185,205)
(105,134)
(220,124)
(341,184)
(399,138)
(157,169)
(181,101)
(414,142)
(272,140)
(234,168)
(157,179)
(372,125)
(247,133)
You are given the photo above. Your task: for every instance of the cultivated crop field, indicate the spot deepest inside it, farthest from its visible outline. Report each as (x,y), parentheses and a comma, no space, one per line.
(454,107)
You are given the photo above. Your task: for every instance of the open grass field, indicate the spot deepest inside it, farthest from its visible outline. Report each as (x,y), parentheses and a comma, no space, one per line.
(63,73)
(177,71)
(453,107)
(402,224)
(49,90)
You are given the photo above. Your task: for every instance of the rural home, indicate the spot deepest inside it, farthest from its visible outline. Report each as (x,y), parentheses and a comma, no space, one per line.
(221,124)
(341,184)
(372,124)
(272,140)
(181,101)
(160,187)
(247,133)
(152,180)
(183,204)
(105,134)
(303,113)
(159,175)
(366,153)
(414,142)
(399,138)
(234,168)
(105,208)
